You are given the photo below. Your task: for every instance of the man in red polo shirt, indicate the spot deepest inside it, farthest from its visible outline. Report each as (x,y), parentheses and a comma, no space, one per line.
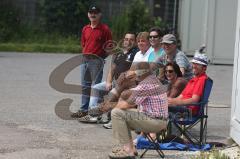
(94,41)
(194,89)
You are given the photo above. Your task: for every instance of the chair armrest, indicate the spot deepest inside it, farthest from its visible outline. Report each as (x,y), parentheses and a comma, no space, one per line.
(193,104)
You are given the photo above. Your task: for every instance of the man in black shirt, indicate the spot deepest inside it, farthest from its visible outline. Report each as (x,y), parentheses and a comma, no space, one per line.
(123,61)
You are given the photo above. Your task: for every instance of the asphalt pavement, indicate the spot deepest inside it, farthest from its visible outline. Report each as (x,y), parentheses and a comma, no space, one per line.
(30,128)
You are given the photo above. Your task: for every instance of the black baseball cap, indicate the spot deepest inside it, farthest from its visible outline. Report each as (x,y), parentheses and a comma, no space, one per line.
(94,9)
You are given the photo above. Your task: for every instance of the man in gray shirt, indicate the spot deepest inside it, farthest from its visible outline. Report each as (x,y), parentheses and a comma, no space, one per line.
(169,44)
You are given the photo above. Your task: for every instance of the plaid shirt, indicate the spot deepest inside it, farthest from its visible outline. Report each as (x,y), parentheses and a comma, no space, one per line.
(151,97)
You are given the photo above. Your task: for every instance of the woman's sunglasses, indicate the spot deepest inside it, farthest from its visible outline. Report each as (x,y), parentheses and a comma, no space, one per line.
(169,71)
(154,36)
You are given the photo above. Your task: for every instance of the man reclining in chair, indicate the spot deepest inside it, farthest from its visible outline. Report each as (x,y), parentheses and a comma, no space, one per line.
(151,114)
(194,89)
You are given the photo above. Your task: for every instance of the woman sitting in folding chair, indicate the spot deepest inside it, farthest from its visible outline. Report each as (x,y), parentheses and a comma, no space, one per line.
(176,82)
(150,116)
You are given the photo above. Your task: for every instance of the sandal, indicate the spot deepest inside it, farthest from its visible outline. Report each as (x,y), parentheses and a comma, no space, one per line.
(79,114)
(116,149)
(119,153)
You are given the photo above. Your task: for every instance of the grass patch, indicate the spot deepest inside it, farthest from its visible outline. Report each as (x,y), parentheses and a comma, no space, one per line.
(38,41)
(36,47)
(214,154)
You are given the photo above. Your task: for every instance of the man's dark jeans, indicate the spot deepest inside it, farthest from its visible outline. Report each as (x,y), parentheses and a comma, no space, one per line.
(91,72)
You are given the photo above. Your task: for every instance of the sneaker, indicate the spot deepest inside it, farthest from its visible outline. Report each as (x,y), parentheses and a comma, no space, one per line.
(95,112)
(79,114)
(108,125)
(88,119)
(104,119)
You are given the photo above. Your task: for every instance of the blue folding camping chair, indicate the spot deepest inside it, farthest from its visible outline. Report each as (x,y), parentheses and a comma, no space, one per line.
(186,122)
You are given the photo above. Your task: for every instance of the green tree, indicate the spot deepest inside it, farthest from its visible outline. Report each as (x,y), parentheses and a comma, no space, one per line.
(135,18)
(64,16)
(139,15)
(9,21)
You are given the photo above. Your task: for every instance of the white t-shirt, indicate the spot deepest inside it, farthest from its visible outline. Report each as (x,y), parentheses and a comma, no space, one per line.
(139,57)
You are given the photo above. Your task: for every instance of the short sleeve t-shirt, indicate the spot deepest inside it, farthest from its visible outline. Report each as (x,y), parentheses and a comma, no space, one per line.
(94,39)
(155,55)
(123,61)
(194,87)
(139,57)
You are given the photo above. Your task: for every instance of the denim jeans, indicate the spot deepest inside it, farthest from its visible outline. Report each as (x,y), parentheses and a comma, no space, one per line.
(99,90)
(91,72)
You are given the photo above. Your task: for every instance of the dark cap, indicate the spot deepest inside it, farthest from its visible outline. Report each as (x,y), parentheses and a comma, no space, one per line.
(94,9)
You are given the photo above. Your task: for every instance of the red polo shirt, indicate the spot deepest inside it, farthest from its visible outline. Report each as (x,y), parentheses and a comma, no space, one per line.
(195,86)
(93,39)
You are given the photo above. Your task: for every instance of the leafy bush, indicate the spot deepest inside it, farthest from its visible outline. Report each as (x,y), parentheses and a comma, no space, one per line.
(135,18)
(120,25)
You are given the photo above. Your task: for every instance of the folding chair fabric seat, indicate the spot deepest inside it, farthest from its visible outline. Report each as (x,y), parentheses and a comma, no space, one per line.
(186,121)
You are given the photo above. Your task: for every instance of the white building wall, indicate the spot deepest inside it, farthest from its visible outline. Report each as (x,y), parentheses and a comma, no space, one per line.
(209,22)
(191,24)
(235,107)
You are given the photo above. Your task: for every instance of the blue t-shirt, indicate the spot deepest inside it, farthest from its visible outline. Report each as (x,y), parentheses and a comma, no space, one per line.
(155,55)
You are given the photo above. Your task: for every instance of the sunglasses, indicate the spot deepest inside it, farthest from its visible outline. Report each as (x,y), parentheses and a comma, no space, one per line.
(169,71)
(93,12)
(153,36)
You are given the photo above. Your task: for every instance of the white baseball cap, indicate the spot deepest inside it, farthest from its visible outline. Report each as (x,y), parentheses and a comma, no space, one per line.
(200,59)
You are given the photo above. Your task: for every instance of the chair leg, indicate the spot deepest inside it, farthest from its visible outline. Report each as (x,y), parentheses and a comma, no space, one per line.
(201,132)
(156,146)
(169,128)
(205,131)
(203,135)
(141,156)
(183,132)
